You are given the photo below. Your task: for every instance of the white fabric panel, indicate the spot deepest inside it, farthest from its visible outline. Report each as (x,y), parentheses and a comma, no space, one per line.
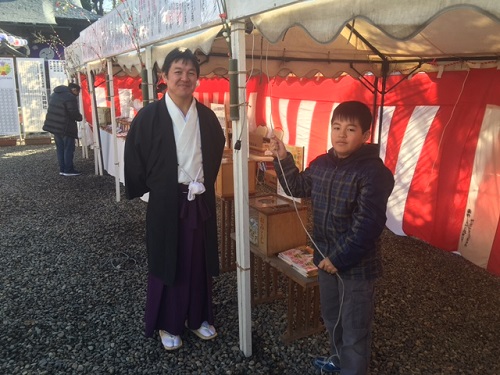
(100,96)
(388,112)
(206,98)
(304,124)
(33,93)
(252,100)
(9,120)
(483,208)
(126,102)
(414,138)
(329,141)
(282,108)
(268,111)
(108,154)
(57,73)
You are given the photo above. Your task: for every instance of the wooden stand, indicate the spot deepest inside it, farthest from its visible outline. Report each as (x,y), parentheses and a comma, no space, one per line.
(224,190)
(224,186)
(303,314)
(227,254)
(265,281)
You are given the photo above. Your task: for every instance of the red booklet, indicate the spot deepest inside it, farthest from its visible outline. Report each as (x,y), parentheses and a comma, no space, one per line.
(301,259)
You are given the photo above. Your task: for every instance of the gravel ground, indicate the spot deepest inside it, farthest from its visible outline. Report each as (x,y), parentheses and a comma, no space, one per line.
(73,278)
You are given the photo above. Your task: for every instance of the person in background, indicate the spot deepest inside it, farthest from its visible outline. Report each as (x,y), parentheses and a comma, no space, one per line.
(349,188)
(137,102)
(173,151)
(61,118)
(161,89)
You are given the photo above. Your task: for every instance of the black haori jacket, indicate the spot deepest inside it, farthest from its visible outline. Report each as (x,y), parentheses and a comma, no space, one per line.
(63,113)
(151,166)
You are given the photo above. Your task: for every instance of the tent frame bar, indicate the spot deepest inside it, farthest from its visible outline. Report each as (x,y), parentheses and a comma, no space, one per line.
(355,61)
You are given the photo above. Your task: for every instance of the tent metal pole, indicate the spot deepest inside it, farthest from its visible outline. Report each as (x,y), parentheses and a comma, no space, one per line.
(83,123)
(374,110)
(95,126)
(151,80)
(111,86)
(241,210)
(385,71)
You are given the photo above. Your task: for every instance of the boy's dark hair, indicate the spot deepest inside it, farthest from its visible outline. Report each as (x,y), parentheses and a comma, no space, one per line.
(183,54)
(72,86)
(354,110)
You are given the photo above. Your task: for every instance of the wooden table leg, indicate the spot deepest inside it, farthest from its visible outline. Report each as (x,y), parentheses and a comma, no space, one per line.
(303,316)
(227,255)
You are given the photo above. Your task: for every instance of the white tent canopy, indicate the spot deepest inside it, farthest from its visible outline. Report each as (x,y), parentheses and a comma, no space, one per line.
(200,40)
(324,19)
(327,37)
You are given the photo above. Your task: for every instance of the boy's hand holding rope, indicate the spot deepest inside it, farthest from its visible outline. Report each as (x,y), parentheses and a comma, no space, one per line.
(277,147)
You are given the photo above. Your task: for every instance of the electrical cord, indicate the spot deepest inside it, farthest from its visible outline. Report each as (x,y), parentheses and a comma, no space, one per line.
(342,289)
(237,147)
(336,274)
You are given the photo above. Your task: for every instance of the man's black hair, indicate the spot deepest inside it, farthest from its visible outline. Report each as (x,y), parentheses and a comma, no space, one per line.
(72,86)
(183,54)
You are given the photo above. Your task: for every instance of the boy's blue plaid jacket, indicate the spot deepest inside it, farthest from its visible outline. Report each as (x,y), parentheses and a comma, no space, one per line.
(349,200)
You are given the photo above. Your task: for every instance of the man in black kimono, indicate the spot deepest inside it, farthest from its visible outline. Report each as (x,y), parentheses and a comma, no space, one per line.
(174,151)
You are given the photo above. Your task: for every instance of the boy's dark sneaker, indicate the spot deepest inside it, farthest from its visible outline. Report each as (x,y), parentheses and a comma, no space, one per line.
(325,365)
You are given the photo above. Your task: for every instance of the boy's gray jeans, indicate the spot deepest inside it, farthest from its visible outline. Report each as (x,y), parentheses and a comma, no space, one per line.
(350,337)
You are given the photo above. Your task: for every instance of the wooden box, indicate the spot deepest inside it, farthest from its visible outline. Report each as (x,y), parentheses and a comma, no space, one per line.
(275,225)
(270,178)
(258,144)
(224,185)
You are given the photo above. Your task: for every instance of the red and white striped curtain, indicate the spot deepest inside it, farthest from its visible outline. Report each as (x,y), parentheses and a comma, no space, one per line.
(440,136)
